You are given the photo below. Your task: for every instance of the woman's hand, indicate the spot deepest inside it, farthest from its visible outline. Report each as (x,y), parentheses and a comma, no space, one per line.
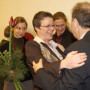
(73,60)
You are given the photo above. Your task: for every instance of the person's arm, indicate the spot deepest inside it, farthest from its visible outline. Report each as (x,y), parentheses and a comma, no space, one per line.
(71,79)
(73,60)
(33,53)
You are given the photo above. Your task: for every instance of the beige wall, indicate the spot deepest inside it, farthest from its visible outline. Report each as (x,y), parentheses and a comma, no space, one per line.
(27,9)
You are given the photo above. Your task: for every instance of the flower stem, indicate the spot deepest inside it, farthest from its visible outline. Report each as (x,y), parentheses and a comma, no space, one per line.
(17,84)
(10,41)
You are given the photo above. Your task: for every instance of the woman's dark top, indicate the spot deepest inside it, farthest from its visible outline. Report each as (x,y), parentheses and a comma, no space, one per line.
(17,44)
(65,39)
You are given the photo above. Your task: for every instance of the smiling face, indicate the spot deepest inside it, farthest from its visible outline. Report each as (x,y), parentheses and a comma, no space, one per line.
(19,30)
(60,26)
(45,31)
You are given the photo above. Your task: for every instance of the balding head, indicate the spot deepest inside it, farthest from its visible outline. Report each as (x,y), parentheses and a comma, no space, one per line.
(81,12)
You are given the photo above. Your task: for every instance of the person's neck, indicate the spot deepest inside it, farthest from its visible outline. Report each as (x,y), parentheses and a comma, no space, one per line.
(45,41)
(17,37)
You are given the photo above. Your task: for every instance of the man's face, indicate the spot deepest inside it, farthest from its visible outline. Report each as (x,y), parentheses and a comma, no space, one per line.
(46,29)
(60,26)
(20,30)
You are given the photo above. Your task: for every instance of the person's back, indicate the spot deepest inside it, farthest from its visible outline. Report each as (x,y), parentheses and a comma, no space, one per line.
(79,78)
(81,81)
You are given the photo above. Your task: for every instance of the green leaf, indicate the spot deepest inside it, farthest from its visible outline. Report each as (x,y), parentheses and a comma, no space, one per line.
(3,57)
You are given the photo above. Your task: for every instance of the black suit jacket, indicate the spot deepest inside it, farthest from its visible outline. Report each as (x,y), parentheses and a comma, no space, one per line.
(67,38)
(73,79)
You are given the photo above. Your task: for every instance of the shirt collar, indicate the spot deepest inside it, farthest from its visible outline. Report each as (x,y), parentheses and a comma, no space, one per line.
(53,43)
(82,36)
(39,40)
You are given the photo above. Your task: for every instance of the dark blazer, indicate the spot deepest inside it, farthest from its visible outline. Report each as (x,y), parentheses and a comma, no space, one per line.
(73,79)
(67,38)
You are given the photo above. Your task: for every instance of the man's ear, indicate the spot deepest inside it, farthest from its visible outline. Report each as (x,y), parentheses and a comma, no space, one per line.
(76,24)
(37,29)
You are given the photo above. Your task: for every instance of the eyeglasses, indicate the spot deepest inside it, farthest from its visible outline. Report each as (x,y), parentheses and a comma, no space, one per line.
(48,26)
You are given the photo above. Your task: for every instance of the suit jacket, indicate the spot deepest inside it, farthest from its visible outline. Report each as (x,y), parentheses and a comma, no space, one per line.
(73,79)
(67,38)
(33,53)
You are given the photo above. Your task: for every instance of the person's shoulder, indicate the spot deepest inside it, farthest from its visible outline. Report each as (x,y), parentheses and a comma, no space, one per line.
(32,43)
(4,42)
(28,36)
(79,44)
(4,45)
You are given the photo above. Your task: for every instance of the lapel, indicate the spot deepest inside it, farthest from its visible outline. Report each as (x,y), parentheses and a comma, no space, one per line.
(52,51)
(60,51)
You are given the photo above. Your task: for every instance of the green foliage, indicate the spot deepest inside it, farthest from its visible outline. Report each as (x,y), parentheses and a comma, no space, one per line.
(14,65)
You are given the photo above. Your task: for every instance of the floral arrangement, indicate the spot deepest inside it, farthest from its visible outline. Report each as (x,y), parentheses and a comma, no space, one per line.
(11,66)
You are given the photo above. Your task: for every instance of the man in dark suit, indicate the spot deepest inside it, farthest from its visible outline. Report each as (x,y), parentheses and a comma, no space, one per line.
(71,79)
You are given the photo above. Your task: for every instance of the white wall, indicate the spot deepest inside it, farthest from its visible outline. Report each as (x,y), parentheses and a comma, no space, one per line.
(27,9)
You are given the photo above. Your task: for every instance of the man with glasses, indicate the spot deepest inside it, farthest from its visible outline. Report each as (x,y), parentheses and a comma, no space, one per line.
(43,47)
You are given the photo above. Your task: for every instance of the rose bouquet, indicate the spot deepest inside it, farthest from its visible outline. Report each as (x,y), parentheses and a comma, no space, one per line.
(12,67)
